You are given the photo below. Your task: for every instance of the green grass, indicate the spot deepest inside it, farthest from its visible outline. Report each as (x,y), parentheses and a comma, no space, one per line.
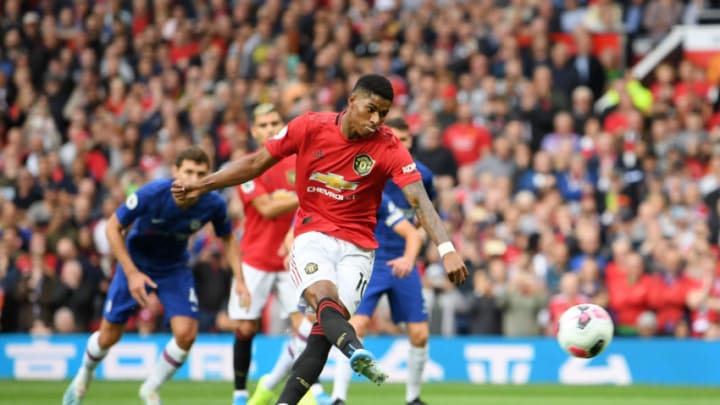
(217,393)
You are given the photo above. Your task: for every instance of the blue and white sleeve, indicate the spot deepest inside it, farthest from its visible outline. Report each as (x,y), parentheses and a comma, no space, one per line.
(389,213)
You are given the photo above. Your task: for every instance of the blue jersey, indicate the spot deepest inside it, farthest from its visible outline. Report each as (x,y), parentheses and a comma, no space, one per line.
(397,196)
(159,237)
(392,245)
(404,294)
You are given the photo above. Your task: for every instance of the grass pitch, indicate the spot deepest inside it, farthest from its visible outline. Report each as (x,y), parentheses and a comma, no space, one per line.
(219,393)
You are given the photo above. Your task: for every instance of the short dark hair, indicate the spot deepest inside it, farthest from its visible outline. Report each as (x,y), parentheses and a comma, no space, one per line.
(398,123)
(194,154)
(375,84)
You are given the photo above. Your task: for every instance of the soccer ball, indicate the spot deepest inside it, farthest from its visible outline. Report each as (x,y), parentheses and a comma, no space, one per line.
(585,330)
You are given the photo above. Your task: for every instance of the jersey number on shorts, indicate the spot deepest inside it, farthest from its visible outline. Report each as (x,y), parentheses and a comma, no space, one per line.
(362,284)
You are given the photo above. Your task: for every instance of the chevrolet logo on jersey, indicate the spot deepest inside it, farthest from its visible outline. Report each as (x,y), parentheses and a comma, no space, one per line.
(334,181)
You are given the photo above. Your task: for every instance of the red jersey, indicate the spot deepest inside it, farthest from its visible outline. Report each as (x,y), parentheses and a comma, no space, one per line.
(340,181)
(263,237)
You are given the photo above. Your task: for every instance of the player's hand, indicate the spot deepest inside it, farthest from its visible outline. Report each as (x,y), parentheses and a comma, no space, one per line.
(184,191)
(401,267)
(137,282)
(243,293)
(455,267)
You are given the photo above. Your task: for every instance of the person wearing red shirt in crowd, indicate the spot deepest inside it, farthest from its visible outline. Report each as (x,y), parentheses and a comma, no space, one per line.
(468,142)
(668,291)
(343,162)
(568,296)
(629,295)
(269,202)
(703,299)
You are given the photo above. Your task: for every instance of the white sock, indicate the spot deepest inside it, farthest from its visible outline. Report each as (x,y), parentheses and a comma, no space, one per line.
(290,351)
(299,341)
(93,353)
(343,374)
(165,367)
(316,389)
(240,393)
(415,365)
(282,367)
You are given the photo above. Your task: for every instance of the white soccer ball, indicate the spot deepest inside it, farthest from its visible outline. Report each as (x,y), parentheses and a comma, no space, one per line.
(585,330)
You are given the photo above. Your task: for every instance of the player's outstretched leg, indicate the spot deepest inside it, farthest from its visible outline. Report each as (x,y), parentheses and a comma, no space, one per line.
(333,320)
(81,382)
(307,367)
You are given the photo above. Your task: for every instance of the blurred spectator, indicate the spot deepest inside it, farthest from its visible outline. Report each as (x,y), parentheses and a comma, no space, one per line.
(591,283)
(64,321)
(212,284)
(629,294)
(431,152)
(603,16)
(661,16)
(521,302)
(467,141)
(499,161)
(75,293)
(485,315)
(667,295)
(589,71)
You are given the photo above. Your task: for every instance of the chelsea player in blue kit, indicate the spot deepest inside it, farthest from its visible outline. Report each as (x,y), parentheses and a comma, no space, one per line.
(154,257)
(395,274)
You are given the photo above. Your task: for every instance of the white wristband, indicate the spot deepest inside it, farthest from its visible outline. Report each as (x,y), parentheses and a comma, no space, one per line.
(445,248)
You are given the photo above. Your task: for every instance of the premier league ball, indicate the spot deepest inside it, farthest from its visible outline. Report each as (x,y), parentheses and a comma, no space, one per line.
(585,330)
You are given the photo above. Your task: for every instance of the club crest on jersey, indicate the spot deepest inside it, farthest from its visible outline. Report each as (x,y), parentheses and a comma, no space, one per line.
(131,201)
(311,268)
(334,181)
(195,224)
(291,177)
(363,164)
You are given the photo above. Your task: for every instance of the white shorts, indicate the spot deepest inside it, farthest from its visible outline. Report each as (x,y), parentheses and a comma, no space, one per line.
(260,283)
(316,256)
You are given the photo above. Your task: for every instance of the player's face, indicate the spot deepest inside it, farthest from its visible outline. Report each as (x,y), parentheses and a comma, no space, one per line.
(366,112)
(404,137)
(190,171)
(266,126)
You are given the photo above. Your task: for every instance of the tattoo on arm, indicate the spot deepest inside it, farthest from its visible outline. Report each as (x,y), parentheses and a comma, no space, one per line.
(429,219)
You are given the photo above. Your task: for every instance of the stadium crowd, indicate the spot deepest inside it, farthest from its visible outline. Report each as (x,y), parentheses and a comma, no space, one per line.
(562,178)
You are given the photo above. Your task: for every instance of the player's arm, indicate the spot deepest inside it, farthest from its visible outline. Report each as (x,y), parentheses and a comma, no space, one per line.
(452,261)
(270,207)
(233,257)
(236,172)
(137,280)
(402,266)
